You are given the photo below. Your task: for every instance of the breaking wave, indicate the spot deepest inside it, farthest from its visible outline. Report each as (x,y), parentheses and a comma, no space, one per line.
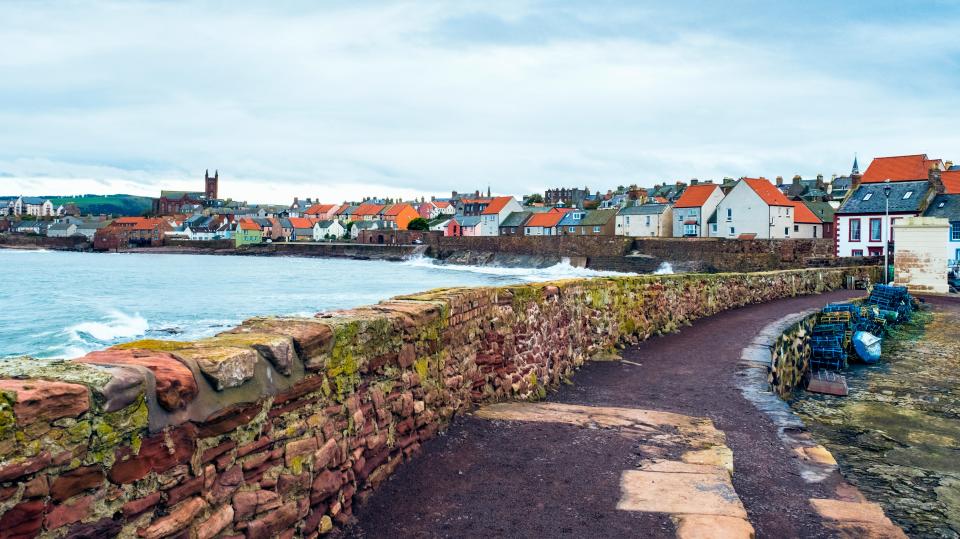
(118,326)
(665,269)
(562,270)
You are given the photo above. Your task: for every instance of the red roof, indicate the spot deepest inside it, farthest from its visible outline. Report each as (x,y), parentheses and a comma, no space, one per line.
(301,222)
(396,209)
(695,195)
(440,204)
(768,192)
(317,209)
(661,200)
(476,200)
(342,208)
(802,214)
(899,168)
(951,181)
(248,224)
(545,219)
(148,224)
(496,205)
(368,209)
(127,220)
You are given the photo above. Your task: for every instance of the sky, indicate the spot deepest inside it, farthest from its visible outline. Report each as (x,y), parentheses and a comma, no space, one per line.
(340,100)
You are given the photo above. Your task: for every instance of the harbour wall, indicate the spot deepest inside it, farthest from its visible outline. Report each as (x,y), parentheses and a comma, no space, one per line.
(279,426)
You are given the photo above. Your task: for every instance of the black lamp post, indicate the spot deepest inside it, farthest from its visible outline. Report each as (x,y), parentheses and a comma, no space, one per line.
(886,225)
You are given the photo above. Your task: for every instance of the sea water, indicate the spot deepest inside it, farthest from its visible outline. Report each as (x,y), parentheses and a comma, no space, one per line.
(65,304)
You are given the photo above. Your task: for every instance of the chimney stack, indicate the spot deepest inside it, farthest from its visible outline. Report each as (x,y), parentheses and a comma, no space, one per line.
(694,181)
(779,181)
(796,179)
(936,181)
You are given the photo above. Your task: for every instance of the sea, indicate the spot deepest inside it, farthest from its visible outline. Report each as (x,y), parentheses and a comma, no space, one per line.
(56,304)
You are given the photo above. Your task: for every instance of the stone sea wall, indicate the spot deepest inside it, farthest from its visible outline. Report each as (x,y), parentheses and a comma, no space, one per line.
(278,427)
(790,357)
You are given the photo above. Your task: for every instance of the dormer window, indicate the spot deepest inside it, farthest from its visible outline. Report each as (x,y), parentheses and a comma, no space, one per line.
(907,195)
(941,204)
(867,196)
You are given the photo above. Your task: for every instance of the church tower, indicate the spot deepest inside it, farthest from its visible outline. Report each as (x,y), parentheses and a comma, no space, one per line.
(856,167)
(211,184)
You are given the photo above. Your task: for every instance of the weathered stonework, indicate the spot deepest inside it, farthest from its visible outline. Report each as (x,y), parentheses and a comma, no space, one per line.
(279,426)
(790,357)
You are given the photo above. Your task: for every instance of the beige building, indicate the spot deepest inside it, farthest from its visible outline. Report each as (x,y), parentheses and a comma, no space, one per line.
(920,256)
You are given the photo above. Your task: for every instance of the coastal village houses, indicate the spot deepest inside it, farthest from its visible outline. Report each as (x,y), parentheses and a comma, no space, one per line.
(543,224)
(327,230)
(495,213)
(695,206)
(754,208)
(248,232)
(645,221)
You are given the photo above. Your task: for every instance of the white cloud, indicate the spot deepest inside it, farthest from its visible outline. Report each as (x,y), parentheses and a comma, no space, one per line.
(394,99)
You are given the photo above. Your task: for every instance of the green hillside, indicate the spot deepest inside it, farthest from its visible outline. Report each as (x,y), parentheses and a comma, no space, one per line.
(114,204)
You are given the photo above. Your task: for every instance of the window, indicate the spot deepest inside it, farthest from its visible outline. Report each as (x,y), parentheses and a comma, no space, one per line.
(689,230)
(596,230)
(855,230)
(856,252)
(713,227)
(796,228)
(626,220)
(814,231)
(788,212)
(786,231)
(875,251)
(692,212)
(729,217)
(527,230)
(875,229)
(867,196)
(572,229)
(648,220)
(907,195)
(940,205)
(733,231)
(955,231)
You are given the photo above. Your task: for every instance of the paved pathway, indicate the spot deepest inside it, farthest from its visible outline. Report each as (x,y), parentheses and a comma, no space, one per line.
(500,476)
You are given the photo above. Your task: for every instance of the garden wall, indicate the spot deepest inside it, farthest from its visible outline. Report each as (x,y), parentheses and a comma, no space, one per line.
(279,426)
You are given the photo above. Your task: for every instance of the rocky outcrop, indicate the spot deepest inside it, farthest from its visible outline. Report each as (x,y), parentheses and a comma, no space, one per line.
(280,425)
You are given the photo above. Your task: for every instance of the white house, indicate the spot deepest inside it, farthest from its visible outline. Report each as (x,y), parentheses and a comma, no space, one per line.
(329,229)
(36,206)
(495,213)
(61,230)
(805,223)
(947,206)
(693,209)
(646,220)
(359,226)
(756,208)
(543,224)
(863,223)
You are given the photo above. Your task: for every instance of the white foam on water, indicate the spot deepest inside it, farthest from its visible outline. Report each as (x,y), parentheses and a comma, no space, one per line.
(563,270)
(118,326)
(665,269)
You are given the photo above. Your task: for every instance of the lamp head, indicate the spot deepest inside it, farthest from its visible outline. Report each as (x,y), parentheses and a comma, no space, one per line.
(886,188)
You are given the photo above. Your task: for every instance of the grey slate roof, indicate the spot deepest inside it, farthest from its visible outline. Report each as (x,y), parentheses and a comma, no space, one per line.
(823,210)
(876,202)
(944,206)
(598,217)
(572,218)
(34,201)
(645,209)
(516,218)
(468,220)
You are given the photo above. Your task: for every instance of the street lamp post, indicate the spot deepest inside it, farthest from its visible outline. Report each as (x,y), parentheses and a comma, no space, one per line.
(886,225)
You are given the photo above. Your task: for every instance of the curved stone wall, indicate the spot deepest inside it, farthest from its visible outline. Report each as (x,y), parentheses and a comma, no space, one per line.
(277,427)
(790,357)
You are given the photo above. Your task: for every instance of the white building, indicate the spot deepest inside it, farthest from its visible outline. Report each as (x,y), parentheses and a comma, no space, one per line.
(329,229)
(805,223)
(35,206)
(644,221)
(694,208)
(755,208)
(863,227)
(495,213)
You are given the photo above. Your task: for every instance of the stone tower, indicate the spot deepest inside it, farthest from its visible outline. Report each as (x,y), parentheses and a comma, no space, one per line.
(211,184)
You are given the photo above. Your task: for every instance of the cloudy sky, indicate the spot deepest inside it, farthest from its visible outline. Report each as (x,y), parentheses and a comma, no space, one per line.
(345,99)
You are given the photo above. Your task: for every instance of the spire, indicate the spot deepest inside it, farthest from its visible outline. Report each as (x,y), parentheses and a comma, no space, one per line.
(488,191)
(856,167)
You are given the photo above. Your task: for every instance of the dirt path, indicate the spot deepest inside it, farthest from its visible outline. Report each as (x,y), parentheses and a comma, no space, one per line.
(509,478)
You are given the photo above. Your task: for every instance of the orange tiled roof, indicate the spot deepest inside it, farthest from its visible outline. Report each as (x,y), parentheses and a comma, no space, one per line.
(695,195)
(802,214)
(396,209)
(317,209)
(951,181)
(899,168)
(301,222)
(496,205)
(342,208)
(768,192)
(248,224)
(147,224)
(440,204)
(127,220)
(476,200)
(546,219)
(368,209)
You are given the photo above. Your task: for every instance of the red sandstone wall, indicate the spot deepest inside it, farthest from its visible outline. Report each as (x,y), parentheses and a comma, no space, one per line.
(278,427)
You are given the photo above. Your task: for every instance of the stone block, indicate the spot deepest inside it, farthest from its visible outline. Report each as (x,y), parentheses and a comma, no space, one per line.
(46,401)
(176,386)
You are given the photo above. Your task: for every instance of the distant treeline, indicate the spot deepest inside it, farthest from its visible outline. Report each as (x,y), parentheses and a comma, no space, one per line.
(128,205)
